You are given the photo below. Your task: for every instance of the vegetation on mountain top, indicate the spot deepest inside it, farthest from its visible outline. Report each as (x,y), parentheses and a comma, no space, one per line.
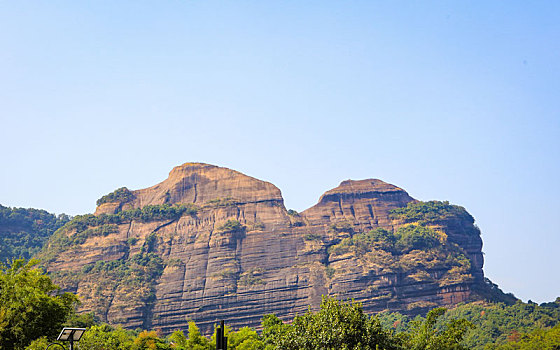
(431,213)
(145,214)
(121,195)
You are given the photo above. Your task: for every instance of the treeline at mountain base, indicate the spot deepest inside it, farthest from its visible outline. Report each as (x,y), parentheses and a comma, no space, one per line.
(33,311)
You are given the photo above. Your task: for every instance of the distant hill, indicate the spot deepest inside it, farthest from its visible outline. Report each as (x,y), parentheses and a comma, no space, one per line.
(210,243)
(497,325)
(23,232)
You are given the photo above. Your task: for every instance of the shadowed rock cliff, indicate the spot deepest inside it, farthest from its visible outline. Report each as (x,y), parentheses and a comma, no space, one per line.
(210,243)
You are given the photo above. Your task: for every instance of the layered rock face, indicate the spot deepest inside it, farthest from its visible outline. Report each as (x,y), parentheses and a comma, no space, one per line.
(238,254)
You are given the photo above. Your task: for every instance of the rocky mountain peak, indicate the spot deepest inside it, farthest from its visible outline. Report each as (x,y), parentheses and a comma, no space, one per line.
(198,183)
(366,202)
(361,188)
(211,243)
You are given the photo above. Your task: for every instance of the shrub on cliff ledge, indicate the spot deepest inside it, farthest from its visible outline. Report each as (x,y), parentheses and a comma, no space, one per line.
(146,214)
(415,237)
(428,334)
(404,240)
(431,212)
(231,226)
(122,195)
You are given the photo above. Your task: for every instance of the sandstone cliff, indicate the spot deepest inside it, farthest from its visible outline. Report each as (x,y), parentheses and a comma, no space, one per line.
(210,243)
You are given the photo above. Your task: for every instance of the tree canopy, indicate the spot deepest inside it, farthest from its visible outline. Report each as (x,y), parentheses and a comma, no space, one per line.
(29,305)
(24,231)
(337,325)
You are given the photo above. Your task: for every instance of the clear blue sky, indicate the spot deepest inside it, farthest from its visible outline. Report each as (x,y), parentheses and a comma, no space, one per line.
(450,100)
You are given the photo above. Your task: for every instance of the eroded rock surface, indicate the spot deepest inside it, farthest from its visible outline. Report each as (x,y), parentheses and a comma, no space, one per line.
(242,254)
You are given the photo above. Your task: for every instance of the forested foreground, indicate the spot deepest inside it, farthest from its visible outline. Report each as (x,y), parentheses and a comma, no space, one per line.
(33,311)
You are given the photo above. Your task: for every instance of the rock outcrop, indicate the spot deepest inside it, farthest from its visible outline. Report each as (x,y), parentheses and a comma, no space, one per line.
(210,243)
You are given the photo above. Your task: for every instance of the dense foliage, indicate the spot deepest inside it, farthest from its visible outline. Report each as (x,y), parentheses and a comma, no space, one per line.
(538,339)
(121,195)
(424,333)
(29,307)
(496,325)
(432,213)
(231,226)
(24,231)
(335,326)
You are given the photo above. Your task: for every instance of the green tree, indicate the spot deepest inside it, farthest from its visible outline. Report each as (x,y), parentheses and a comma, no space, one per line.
(272,329)
(245,339)
(149,340)
(28,308)
(538,339)
(41,344)
(337,325)
(105,337)
(195,341)
(425,334)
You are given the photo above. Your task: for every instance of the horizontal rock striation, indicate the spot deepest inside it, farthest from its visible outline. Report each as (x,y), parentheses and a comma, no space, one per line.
(236,254)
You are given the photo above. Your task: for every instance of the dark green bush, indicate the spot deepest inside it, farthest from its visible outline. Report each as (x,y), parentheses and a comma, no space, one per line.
(231,226)
(412,237)
(145,214)
(343,226)
(222,202)
(121,195)
(361,243)
(431,212)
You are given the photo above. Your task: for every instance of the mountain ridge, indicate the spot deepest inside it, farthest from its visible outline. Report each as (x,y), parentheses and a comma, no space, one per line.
(210,243)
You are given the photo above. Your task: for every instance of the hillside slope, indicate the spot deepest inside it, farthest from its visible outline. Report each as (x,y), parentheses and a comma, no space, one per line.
(23,232)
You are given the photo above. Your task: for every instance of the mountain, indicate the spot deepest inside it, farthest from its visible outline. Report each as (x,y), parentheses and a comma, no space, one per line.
(210,243)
